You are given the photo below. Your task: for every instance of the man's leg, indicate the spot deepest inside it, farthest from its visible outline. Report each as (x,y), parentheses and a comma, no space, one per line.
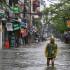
(48,61)
(52,61)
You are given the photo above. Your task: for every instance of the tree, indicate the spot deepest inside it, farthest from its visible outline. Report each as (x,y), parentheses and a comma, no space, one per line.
(60,12)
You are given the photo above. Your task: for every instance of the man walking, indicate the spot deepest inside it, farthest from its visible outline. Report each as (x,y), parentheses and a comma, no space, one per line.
(51,51)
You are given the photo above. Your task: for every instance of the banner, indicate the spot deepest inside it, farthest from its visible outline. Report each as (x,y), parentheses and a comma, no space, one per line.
(16,25)
(24,23)
(9,26)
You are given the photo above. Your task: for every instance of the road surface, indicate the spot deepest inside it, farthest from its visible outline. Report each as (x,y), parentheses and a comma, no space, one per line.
(31,57)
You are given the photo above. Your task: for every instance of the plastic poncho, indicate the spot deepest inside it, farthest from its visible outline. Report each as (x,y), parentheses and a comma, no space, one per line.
(51,50)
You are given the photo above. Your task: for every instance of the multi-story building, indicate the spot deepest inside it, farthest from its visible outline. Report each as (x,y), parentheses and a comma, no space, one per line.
(31,10)
(36,12)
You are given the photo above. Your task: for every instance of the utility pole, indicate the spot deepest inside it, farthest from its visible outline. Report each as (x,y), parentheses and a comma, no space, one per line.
(31,11)
(24,12)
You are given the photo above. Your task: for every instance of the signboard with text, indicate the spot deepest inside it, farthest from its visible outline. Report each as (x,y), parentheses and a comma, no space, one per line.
(68,23)
(9,26)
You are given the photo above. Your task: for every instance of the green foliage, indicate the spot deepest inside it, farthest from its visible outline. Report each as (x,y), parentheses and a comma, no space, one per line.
(59,12)
(37,23)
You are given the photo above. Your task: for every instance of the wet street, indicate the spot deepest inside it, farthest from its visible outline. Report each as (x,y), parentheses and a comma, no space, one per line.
(32,57)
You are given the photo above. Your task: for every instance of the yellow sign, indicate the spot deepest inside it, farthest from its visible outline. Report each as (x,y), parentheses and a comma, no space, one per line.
(68,23)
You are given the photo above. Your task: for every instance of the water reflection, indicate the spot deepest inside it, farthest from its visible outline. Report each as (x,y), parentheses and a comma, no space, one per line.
(50,68)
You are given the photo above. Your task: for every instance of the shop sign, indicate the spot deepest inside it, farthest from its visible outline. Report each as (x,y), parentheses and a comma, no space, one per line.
(23,25)
(68,23)
(9,26)
(16,25)
(2,11)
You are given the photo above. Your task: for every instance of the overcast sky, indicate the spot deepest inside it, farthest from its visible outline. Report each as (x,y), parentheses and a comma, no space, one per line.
(50,2)
(47,3)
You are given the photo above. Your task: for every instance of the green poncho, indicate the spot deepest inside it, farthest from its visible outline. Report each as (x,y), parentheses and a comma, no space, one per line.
(51,50)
